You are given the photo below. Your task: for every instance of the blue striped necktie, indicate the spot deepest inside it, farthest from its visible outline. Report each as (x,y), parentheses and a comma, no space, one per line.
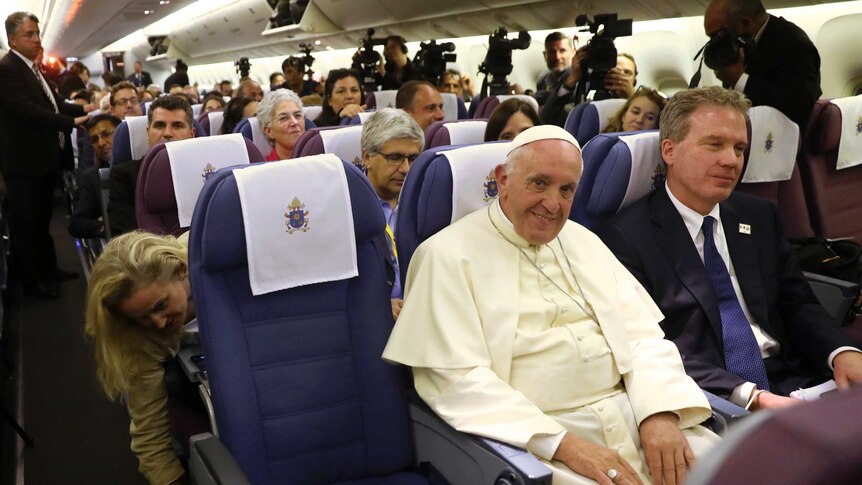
(741,352)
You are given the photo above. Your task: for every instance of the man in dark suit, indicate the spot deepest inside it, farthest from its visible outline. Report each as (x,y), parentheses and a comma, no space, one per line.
(35,125)
(168,119)
(783,70)
(86,220)
(140,77)
(734,299)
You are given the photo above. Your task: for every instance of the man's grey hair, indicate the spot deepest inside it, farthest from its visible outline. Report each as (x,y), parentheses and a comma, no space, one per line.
(267,105)
(390,124)
(675,116)
(17,18)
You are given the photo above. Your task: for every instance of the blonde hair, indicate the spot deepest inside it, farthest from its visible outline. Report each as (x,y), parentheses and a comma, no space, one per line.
(129,262)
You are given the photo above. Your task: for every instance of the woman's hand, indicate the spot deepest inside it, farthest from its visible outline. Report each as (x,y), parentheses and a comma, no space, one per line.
(351,110)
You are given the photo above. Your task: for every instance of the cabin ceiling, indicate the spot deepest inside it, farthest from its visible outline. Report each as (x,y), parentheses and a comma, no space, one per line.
(81,27)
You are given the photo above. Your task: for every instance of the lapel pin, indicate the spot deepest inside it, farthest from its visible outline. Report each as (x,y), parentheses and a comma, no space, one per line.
(744,229)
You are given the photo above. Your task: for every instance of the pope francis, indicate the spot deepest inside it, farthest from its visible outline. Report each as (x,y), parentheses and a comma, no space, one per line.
(521,326)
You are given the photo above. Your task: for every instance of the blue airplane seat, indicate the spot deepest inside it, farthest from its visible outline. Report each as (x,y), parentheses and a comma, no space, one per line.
(586,120)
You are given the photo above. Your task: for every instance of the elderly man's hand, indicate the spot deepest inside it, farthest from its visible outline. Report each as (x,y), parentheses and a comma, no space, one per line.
(729,75)
(397,303)
(594,461)
(848,368)
(666,448)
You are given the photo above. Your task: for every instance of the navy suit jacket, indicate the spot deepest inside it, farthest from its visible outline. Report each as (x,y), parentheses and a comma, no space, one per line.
(651,240)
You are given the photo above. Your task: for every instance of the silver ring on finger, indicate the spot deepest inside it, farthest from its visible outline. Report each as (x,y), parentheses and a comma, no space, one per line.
(613,474)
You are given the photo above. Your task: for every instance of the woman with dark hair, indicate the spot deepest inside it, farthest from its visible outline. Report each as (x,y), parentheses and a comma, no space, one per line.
(342,97)
(510,118)
(237,110)
(213,101)
(640,112)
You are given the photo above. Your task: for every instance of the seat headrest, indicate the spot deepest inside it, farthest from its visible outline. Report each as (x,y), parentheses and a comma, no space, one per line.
(773,148)
(219,216)
(344,142)
(461,132)
(137,136)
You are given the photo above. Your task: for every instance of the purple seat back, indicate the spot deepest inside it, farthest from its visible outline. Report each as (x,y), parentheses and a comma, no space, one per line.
(155,200)
(440,133)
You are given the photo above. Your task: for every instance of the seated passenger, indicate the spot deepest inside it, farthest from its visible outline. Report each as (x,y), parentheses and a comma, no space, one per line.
(237,109)
(391,141)
(641,112)
(86,220)
(192,94)
(138,301)
(619,82)
(276,79)
(509,119)
(250,89)
(212,102)
(521,326)
(735,302)
(281,120)
(422,101)
(125,101)
(168,119)
(342,97)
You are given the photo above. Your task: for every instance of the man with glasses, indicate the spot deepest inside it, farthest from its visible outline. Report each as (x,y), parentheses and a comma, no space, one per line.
(34,146)
(391,141)
(124,100)
(86,220)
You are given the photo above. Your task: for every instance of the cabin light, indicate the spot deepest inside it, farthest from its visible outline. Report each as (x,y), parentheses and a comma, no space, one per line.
(317,42)
(147,12)
(329,47)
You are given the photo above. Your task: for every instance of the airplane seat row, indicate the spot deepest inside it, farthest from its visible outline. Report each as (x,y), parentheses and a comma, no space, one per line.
(586,120)
(300,392)
(130,139)
(172,175)
(342,141)
(830,167)
(211,122)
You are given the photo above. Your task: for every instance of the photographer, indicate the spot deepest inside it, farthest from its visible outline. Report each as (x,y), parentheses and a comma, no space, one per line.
(784,73)
(398,67)
(558,56)
(294,70)
(619,82)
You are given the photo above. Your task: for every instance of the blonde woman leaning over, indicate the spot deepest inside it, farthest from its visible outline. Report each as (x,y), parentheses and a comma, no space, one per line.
(138,300)
(640,112)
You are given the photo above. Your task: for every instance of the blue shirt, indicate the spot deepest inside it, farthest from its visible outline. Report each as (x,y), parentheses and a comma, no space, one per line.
(391,214)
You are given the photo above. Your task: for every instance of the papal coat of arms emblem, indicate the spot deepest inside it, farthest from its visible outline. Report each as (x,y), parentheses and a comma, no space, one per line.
(208,170)
(770,142)
(297,217)
(490,192)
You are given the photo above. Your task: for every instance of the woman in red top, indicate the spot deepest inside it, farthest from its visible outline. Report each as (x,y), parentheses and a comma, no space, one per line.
(281,119)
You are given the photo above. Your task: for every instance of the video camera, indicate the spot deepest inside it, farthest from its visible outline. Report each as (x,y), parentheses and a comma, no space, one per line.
(431,60)
(242,67)
(498,60)
(365,60)
(601,53)
(307,59)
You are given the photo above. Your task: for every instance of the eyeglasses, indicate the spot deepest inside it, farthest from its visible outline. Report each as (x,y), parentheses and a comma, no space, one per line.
(396,159)
(124,101)
(286,118)
(650,91)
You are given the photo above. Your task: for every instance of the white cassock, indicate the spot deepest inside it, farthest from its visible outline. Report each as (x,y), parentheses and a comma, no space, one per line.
(503,350)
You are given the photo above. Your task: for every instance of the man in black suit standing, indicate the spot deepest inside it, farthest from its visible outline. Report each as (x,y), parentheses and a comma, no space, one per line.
(35,125)
(783,70)
(140,77)
(715,261)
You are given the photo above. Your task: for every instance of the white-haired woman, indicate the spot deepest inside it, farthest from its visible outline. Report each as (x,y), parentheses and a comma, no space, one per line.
(281,119)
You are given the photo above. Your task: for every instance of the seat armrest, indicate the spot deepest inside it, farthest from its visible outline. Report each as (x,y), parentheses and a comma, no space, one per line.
(466,459)
(724,412)
(836,296)
(210,463)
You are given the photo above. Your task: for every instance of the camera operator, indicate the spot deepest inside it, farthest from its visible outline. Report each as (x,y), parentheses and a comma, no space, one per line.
(558,56)
(619,82)
(456,83)
(294,71)
(784,73)
(399,68)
